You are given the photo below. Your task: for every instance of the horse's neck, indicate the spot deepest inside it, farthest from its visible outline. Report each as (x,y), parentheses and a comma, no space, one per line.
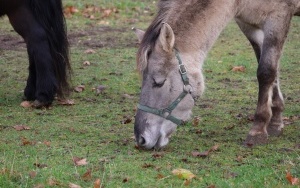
(203,32)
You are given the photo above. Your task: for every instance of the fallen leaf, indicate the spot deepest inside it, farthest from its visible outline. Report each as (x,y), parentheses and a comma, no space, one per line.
(158,155)
(238,69)
(72,185)
(79,88)
(21,127)
(89,51)
(183,174)
(47,143)
(160,176)
(126,120)
(86,63)
(53,182)
(148,165)
(32,174)
(26,104)
(291,179)
(205,153)
(79,161)
(100,89)
(66,102)
(87,176)
(40,165)
(196,121)
(125,180)
(97,183)
(25,142)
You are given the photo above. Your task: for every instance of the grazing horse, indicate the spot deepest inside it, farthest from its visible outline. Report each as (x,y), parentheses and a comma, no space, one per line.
(41,23)
(173,49)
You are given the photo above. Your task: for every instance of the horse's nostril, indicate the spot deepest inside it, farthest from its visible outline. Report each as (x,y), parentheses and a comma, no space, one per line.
(142,141)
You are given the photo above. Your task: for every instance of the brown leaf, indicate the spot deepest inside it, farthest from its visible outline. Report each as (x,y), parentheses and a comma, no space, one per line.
(72,185)
(97,183)
(126,120)
(125,180)
(21,127)
(26,104)
(205,153)
(238,69)
(291,179)
(87,176)
(89,51)
(79,88)
(53,182)
(40,165)
(160,176)
(86,63)
(100,89)
(47,143)
(148,165)
(69,11)
(196,121)
(26,142)
(158,155)
(79,161)
(66,102)
(32,174)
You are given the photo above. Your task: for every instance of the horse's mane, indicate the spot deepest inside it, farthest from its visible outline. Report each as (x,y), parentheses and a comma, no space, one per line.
(152,34)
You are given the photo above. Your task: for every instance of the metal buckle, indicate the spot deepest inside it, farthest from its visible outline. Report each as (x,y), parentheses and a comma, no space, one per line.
(182,69)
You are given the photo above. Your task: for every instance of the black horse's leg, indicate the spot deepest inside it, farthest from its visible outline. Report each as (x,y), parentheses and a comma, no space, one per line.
(41,80)
(270,102)
(30,88)
(256,37)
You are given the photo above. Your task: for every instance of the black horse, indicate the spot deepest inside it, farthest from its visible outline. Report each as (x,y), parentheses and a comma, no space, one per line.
(41,23)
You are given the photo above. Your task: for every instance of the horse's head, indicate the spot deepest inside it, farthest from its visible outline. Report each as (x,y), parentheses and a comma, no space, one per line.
(168,88)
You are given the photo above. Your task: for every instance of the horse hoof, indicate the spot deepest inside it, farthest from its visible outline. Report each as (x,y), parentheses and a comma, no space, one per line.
(37,104)
(274,131)
(255,140)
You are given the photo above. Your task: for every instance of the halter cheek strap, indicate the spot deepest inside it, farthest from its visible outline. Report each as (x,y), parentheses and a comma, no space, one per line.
(167,112)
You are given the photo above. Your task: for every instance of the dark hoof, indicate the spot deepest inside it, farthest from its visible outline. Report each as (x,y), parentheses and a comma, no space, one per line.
(37,104)
(255,140)
(274,130)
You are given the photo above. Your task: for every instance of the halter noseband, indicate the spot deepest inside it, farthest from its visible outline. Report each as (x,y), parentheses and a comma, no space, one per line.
(166,112)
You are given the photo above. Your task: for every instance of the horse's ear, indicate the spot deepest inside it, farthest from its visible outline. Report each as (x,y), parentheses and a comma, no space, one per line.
(167,37)
(139,33)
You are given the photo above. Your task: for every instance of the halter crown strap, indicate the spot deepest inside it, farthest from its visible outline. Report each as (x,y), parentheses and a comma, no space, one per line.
(166,112)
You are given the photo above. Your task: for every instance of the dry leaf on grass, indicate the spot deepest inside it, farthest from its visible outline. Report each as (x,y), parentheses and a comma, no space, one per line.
(79,161)
(86,63)
(205,153)
(89,51)
(66,102)
(21,127)
(87,176)
(79,88)
(72,185)
(238,69)
(26,104)
(97,183)
(291,179)
(183,174)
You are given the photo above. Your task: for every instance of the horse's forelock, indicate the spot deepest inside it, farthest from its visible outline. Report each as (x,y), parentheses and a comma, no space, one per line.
(151,35)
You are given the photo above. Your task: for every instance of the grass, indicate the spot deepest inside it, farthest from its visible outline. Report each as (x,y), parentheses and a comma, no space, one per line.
(93,128)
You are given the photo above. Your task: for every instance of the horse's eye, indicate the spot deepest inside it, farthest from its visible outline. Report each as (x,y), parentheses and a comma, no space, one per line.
(158,84)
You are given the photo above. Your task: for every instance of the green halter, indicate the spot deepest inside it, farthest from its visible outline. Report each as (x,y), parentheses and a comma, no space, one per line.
(166,112)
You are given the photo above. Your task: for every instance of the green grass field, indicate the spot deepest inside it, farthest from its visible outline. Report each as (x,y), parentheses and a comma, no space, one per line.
(99,127)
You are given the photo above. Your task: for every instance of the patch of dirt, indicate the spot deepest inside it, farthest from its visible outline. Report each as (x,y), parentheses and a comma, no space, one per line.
(11,42)
(93,37)
(102,36)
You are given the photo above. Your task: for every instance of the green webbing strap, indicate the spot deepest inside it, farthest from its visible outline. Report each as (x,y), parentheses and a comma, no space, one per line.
(166,113)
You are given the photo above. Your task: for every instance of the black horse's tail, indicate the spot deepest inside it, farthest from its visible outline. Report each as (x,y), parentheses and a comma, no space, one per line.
(49,14)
